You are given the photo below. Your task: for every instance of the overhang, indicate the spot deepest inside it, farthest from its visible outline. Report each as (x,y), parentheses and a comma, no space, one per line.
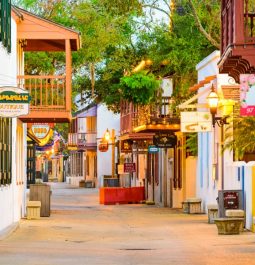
(41,34)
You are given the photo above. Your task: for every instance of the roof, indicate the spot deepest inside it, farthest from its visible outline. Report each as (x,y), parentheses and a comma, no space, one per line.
(207,80)
(40,32)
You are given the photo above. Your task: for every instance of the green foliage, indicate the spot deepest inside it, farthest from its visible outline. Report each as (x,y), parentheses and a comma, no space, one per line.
(241,139)
(192,144)
(117,35)
(139,88)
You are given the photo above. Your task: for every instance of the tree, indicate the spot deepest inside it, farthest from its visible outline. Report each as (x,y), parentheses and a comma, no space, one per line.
(241,137)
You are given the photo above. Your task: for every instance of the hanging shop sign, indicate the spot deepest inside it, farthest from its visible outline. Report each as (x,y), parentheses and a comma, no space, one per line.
(247,95)
(152,149)
(103,147)
(126,146)
(196,121)
(165,140)
(14,102)
(129,167)
(40,131)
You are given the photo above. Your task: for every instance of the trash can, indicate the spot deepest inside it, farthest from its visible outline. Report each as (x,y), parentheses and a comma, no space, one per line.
(42,193)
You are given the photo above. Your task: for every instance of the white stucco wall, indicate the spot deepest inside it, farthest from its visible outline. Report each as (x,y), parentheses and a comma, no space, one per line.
(106,120)
(210,178)
(13,196)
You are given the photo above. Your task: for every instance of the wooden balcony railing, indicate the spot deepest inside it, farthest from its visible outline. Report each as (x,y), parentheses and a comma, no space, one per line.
(82,140)
(160,112)
(46,91)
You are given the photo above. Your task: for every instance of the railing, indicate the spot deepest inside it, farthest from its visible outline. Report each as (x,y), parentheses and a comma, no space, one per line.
(72,139)
(238,23)
(82,140)
(160,112)
(249,27)
(87,139)
(45,91)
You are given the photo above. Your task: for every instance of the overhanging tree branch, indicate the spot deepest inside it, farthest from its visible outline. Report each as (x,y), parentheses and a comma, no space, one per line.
(201,28)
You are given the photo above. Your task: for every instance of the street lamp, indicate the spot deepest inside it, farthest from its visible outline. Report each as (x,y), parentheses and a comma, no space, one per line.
(213,101)
(107,138)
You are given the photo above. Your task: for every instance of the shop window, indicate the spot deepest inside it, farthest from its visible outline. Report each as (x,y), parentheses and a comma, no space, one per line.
(5,23)
(5,151)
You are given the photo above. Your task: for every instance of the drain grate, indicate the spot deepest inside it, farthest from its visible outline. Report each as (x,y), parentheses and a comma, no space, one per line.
(135,249)
(61,227)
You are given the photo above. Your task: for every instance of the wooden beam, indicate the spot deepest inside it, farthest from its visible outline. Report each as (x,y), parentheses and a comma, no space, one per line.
(68,74)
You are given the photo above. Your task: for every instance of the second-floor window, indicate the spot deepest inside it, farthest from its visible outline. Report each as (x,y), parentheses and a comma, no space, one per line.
(5,23)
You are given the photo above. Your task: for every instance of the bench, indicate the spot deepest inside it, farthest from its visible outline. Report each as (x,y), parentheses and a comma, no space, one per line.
(33,209)
(192,205)
(236,213)
(212,212)
(228,226)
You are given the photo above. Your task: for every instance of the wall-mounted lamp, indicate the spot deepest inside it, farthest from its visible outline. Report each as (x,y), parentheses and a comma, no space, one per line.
(213,100)
(107,136)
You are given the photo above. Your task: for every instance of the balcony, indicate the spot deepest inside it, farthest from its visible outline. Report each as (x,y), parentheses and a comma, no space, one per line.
(141,122)
(238,38)
(51,95)
(48,95)
(82,141)
(158,116)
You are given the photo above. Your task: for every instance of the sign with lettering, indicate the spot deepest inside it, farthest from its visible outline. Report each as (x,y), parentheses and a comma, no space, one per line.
(231,200)
(129,167)
(165,140)
(196,121)
(14,102)
(40,131)
(152,149)
(126,146)
(247,95)
(103,147)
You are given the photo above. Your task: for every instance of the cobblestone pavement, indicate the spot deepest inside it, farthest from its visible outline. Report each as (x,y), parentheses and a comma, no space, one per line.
(82,232)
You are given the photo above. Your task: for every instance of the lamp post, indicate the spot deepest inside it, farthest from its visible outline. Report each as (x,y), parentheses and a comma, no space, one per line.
(213,102)
(107,138)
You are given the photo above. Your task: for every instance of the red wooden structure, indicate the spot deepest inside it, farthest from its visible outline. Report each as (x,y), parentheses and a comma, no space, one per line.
(237,37)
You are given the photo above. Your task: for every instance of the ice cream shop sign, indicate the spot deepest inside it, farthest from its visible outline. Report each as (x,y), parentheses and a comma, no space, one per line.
(14,102)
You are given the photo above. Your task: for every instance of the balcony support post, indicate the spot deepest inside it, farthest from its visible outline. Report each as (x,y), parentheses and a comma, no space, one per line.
(68,74)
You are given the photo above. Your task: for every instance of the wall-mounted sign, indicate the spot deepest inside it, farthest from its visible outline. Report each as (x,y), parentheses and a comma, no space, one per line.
(231,200)
(129,167)
(196,121)
(126,146)
(247,94)
(165,140)
(103,147)
(14,102)
(152,149)
(40,131)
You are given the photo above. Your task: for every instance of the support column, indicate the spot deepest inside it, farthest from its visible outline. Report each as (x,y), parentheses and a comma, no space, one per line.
(113,153)
(68,75)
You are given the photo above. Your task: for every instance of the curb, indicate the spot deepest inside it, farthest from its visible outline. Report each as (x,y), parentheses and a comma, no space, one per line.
(9,230)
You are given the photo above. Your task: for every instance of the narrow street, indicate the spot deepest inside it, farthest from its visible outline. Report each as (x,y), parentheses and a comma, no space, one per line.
(80,231)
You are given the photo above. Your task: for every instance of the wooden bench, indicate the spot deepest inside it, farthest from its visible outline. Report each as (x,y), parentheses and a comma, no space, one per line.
(228,226)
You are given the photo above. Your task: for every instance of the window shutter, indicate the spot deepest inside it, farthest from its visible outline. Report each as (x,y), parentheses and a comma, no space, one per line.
(5,23)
